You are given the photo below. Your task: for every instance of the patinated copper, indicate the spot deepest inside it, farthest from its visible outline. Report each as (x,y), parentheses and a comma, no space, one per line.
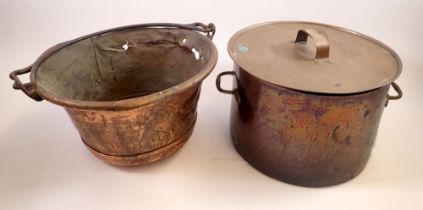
(140,135)
(303,138)
(307,138)
(131,91)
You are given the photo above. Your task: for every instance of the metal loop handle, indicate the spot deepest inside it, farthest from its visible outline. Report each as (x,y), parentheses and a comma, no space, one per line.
(232,92)
(396,97)
(209,29)
(320,40)
(27,88)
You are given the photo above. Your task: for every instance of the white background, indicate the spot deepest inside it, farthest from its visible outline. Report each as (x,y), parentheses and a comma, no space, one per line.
(44,165)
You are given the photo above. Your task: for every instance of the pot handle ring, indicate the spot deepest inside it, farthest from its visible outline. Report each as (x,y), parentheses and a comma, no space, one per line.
(396,97)
(220,89)
(320,41)
(27,88)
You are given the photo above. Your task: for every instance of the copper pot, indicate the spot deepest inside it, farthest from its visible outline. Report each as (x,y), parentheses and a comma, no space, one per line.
(130,91)
(307,111)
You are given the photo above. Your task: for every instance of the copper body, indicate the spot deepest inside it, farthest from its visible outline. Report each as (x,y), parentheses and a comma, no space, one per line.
(306,108)
(304,138)
(131,91)
(140,135)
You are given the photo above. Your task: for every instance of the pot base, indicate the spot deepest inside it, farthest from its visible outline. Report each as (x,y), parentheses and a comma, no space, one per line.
(143,158)
(280,174)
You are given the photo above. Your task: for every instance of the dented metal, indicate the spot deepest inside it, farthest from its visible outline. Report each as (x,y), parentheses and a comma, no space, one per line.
(304,138)
(131,91)
(291,118)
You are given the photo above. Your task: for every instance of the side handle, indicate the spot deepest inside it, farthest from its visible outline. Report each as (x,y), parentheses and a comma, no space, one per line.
(232,92)
(396,97)
(27,88)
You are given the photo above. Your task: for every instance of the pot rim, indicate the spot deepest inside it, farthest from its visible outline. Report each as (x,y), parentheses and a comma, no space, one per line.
(391,51)
(125,103)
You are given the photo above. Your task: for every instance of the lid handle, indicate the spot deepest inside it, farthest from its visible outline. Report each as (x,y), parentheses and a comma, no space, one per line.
(320,40)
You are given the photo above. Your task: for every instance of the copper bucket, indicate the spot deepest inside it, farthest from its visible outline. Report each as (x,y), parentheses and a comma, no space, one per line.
(130,91)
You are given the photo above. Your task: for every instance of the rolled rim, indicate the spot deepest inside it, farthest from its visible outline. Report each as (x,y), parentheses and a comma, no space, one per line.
(125,103)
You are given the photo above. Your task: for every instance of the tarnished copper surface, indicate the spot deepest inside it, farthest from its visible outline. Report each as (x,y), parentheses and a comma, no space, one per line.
(127,137)
(131,91)
(307,112)
(144,158)
(303,138)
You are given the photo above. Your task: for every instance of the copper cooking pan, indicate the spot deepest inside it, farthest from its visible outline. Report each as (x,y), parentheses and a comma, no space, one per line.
(308,99)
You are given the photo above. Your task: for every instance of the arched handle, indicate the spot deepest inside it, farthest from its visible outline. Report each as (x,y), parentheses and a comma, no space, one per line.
(27,88)
(220,89)
(320,41)
(209,29)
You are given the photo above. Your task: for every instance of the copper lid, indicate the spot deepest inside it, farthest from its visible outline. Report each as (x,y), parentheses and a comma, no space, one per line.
(314,57)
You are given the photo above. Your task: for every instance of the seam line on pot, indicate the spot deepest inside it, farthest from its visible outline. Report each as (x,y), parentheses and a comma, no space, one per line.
(143,153)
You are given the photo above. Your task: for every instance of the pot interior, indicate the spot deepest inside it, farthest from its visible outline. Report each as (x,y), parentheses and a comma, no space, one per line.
(124,64)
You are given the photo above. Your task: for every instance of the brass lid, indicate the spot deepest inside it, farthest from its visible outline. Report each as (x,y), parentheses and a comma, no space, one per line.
(334,60)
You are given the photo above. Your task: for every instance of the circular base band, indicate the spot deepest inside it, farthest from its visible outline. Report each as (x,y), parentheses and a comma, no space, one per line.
(143,158)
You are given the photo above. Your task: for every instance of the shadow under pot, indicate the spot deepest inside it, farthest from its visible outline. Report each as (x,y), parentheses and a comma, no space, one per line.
(306,111)
(130,91)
